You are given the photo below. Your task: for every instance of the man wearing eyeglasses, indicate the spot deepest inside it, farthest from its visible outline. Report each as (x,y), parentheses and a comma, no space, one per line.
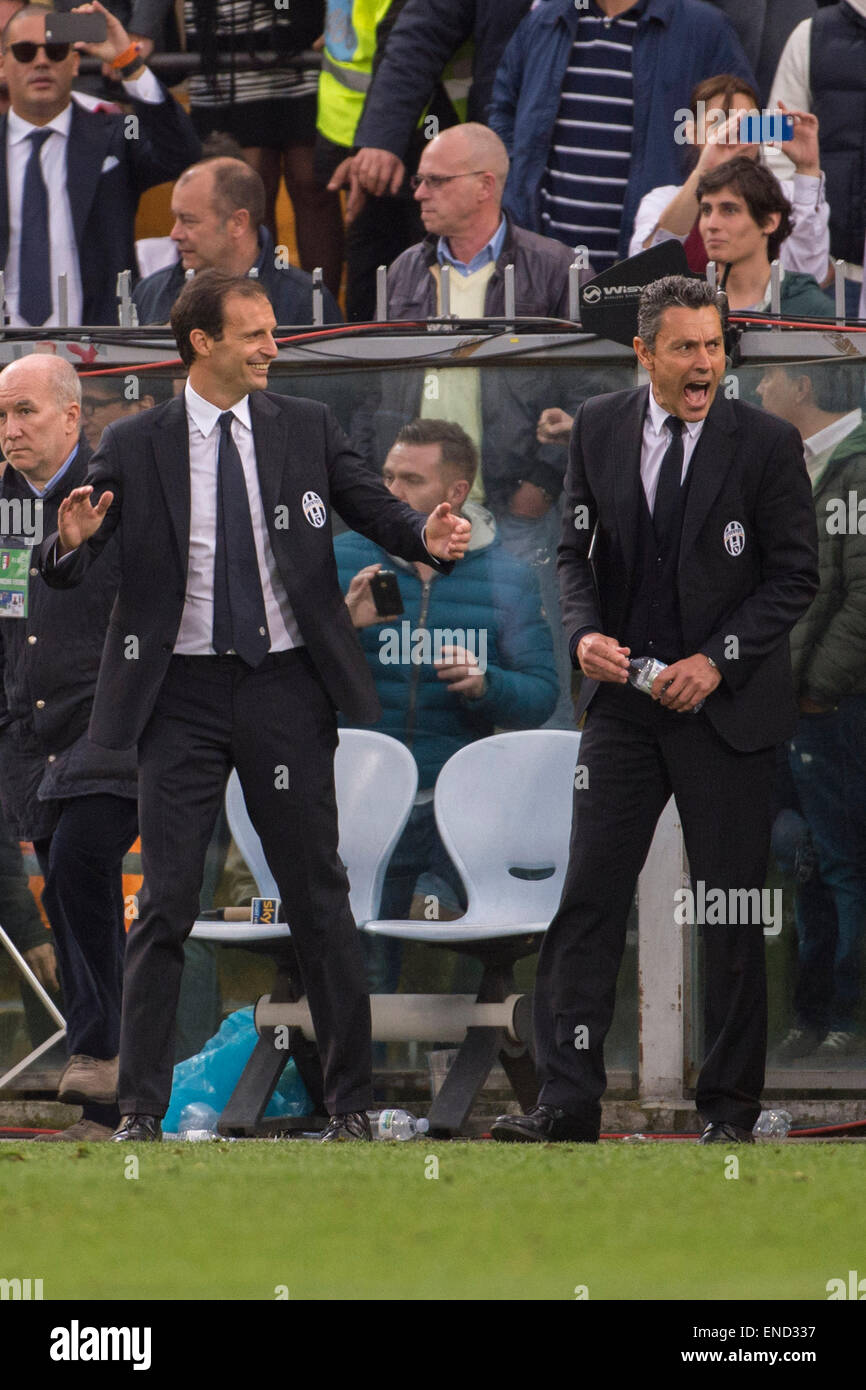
(70,179)
(458,187)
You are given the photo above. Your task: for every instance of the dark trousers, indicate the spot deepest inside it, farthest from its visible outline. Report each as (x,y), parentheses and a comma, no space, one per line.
(277,726)
(724,798)
(82,863)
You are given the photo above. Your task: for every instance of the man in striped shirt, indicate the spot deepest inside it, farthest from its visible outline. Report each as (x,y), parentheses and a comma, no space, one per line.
(586,100)
(584,185)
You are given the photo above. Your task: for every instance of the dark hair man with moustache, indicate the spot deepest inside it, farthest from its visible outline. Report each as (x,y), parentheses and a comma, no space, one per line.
(231,645)
(704,557)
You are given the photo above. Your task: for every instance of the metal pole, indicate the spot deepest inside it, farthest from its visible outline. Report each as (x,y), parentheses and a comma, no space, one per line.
(510,299)
(445,291)
(839,285)
(776,288)
(712,277)
(318,298)
(574,291)
(382,294)
(2,302)
(124,283)
(63,300)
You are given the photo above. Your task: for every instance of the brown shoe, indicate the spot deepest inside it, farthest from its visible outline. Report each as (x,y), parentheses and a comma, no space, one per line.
(83,1131)
(88,1079)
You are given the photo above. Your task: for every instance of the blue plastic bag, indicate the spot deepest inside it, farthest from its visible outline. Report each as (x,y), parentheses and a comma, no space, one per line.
(213,1073)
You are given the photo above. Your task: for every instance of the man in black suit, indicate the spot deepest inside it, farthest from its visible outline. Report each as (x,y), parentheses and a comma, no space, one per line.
(76,802)
(70,179)
(231,644)
(704,557)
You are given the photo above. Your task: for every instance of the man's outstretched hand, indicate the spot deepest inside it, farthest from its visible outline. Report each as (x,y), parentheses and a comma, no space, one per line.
(446,535)
(78,519)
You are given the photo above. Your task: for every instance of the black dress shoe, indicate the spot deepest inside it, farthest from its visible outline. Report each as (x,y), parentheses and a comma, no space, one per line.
(138,1129)
(341,1128)
(721,1132)
(543,1125)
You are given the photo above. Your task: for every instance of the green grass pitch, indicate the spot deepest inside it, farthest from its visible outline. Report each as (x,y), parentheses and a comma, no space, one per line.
(260,1220)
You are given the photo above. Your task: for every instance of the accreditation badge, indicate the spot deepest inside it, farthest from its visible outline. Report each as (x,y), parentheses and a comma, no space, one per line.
(15,562)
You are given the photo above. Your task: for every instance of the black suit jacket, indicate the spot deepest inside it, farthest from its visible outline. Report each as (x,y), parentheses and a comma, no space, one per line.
(144,462)
(747,467)
(104,201)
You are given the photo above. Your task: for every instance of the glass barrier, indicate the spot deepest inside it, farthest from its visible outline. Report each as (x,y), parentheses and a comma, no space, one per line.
(483,420)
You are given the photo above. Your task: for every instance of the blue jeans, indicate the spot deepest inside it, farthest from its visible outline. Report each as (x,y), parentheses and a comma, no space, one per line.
(828,763)
(535,541)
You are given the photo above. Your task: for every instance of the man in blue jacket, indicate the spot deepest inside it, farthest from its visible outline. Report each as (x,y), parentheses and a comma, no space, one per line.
(218,206)
(586,99)
(471,652)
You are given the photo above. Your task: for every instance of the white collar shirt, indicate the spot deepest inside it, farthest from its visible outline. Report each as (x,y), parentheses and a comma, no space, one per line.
(195,636)
(62,250)
(656,438)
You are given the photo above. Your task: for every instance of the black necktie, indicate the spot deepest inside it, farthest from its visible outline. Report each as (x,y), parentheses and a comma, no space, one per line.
(239,621)
(34,263)
(667,512)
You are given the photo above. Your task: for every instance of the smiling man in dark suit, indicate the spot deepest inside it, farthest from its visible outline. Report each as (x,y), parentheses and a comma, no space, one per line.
(231,645)
(705,556)
(70,179)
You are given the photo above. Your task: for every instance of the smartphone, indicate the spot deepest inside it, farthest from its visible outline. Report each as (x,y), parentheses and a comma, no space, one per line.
(386,594)
(75,28)
(759,130)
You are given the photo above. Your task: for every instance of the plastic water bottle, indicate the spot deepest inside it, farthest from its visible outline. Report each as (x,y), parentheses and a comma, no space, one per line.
(642,672)
(773,1124)
(396,1124)
(198,1122)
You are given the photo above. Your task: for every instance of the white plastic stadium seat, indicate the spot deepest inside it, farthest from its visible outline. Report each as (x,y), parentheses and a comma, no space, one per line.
(503,807)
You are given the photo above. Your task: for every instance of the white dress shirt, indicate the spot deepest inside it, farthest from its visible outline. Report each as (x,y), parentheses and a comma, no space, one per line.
(656,438)
(62,249)
(195,637)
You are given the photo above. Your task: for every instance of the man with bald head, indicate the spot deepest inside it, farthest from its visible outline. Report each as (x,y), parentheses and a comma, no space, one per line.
(459,185)
(74,800)
(218,206)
